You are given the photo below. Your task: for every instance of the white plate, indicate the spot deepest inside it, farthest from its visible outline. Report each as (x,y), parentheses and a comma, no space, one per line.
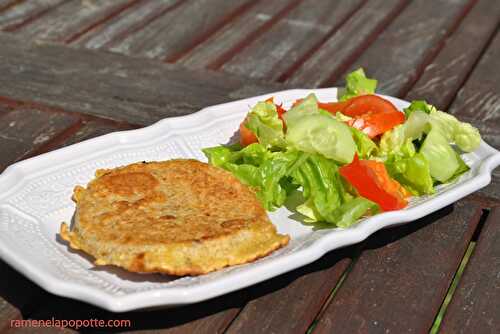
(36,193)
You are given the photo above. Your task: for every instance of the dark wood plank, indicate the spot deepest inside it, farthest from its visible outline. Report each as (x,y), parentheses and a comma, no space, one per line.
(112,86)
(17,295)
(475,305)
(212,316)
(49,307)
(209,317)
(180,29)
(71,19)
(290,303)
(290,38)
(22,131)
(415,35)
(398,283)
(444,76)
(351,39)
(479,98)
(301,286)
(24,12)
(126,22)
(237,33)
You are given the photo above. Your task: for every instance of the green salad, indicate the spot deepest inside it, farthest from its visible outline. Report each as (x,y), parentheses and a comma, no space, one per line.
(347,159)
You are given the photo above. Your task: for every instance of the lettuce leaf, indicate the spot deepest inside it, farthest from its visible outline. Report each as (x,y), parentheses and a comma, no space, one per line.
(464,135)
(412,172)
(401,136)
(310,130)
(259,168)
(353,209)
(326,199)
(274,175)
(442,159)
(365,147)
(419,105)
(264,122)
(434,131)
(357,84)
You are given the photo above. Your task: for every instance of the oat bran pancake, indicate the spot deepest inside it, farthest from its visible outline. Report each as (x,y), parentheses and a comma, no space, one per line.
(179,217)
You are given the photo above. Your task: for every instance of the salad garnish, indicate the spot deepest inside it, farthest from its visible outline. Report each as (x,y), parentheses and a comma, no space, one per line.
(344,160)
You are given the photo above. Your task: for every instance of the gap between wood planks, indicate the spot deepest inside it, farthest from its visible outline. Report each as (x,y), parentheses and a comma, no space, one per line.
(239,11)
(437,48)
(15,104)
(254,35)
(334,291)
(474,64)
(336,75)
(112,14)
(65,134)
(140,25)
(344,66)
(31,18)
(459,273)
(292,69)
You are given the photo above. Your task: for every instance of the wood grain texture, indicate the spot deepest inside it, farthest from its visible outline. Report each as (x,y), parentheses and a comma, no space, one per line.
(209,317)
(22,131)
(290,303)
(71,19)
(24,12)
(237,33)
(179,29)
(112,86)
(126,22)
(475,305)
(350,39)
(444,76)
(395,56)
(290,38)
(479,98)
(398,283)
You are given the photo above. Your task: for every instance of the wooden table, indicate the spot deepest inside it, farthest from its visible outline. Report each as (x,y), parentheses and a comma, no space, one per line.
(72,70)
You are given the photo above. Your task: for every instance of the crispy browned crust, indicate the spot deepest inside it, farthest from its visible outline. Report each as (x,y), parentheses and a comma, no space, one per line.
(179,217)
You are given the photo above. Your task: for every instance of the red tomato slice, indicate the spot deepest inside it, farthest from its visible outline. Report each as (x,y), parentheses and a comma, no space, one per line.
(333,107)
(376,124)
(247,137)
(371,180)
(373,114)
(360,105)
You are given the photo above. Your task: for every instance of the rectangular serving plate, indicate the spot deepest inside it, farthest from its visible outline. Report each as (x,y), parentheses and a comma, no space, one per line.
(36,198)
